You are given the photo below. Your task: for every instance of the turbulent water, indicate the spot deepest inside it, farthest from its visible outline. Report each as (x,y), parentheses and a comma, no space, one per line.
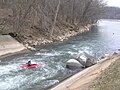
(103,39)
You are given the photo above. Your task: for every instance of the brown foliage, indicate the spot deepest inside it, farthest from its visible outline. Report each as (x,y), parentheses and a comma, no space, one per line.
(45,14)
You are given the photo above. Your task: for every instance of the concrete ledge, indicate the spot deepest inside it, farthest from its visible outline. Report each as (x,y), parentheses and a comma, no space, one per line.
(80,80)
(9,45)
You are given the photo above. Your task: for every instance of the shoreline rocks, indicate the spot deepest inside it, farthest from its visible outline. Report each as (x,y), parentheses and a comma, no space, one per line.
(73,64)
(83,61)
(57,38)
(87,60)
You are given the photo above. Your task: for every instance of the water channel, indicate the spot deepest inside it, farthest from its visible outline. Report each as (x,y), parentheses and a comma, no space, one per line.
(103,39)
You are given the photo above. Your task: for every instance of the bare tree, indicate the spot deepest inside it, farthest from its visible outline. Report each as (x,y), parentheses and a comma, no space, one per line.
(55,18)
(44,15)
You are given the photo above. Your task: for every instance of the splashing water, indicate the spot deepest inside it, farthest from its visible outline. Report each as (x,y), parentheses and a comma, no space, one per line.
(98,42)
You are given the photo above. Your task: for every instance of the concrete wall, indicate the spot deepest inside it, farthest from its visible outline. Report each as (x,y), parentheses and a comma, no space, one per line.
(9,45)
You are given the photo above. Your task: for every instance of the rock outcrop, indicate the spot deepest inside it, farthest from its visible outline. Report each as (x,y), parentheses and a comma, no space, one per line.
(83,60)
(87,60)
(73,64)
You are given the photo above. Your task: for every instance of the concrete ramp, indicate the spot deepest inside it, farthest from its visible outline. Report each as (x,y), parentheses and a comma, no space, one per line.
(9,45)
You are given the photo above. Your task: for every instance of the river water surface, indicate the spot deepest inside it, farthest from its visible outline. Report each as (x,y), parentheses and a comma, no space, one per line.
(103,39)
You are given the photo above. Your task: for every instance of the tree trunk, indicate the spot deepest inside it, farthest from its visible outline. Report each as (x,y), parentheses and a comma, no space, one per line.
(55,18)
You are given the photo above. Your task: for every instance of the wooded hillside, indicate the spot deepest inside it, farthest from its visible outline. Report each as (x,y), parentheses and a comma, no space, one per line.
(112,13)
(30,19)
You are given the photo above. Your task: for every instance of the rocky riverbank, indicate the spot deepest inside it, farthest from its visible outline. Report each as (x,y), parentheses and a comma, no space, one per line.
(31,36)
(31,43)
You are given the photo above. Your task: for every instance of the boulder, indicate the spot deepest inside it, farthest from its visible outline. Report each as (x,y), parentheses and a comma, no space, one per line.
(73,64)
(91,60)
(87,60)
(82,59)
(29,47)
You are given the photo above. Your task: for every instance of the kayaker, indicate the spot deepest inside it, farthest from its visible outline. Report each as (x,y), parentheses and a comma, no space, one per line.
(29,63)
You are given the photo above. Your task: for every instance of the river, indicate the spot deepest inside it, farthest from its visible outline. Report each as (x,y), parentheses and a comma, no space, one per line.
(102,39)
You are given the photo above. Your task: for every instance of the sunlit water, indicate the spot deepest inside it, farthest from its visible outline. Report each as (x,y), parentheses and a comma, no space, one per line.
(103,39)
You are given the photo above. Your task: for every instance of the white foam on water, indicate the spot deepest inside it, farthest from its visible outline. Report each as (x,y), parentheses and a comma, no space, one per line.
(4,85)
(86,49)
(55,53)
(12,82)
(7,68)
(74,46)
(72,53)
(51,82)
